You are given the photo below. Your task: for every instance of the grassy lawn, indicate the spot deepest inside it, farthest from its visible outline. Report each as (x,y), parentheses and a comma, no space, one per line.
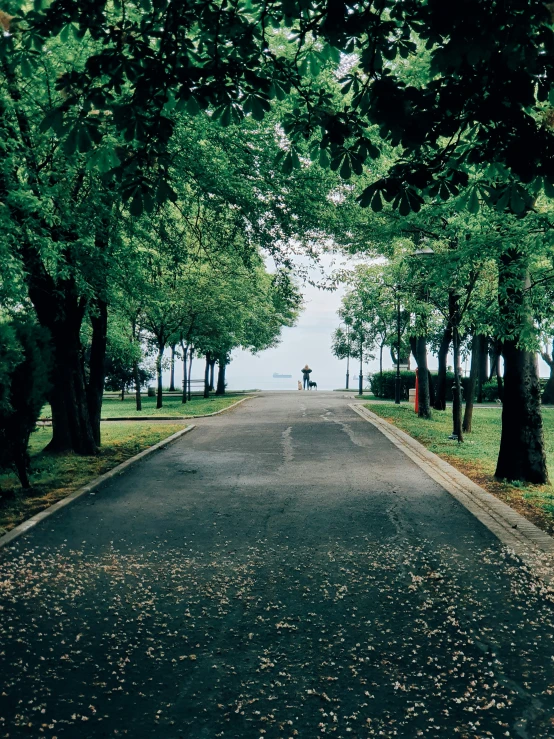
(56,475)
(172,406)
(476,457)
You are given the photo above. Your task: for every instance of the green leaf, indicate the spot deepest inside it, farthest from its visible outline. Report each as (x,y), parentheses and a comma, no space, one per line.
(165,192)
(54,120)
(473,202)
(376,202)
(287,163)
(225,119)
(405,208)
(324,159)
(517,202)
(70,144)
(503,201)
(84,142)
(345,170)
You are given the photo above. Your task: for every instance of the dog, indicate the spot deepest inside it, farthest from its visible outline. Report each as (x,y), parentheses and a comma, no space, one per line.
(299,385)
(312,384)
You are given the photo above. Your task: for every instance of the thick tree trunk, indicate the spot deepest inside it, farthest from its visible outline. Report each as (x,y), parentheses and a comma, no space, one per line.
(136,374)
(548,395)
(220,390)
(172,369)
(21,463)
(159,392)
(71,426)
(207,376)
(440,392)
(97,367)
(522,456)
(419,350)
(475,373)
(184,349)
(212,373)
(483,370)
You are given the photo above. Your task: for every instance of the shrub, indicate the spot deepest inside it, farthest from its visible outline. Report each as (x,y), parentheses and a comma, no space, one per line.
(25,364)
(385,387)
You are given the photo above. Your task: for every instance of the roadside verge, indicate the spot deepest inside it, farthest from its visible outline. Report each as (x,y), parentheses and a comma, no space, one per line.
(89,488)
(532,545)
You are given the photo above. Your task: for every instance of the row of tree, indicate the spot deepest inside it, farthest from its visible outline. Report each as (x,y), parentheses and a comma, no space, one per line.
(446,284)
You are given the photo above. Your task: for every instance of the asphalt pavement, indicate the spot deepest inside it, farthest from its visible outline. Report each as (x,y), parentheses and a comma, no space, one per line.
(282,571)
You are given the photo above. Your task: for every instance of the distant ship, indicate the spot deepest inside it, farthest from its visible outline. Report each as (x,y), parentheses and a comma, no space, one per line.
(281,377)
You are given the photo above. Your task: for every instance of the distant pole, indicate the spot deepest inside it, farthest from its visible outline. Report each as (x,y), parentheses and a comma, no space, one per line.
(347,357)
(397,383)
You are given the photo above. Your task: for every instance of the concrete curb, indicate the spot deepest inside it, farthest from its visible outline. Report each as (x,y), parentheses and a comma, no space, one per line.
(177,419)
(89,488)
(513,530)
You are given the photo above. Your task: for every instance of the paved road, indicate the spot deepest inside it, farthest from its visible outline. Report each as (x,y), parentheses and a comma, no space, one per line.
(283,571)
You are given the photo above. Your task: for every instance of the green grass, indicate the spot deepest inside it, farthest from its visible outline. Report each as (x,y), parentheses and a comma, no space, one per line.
(476,457)
(54,476)
(172,406)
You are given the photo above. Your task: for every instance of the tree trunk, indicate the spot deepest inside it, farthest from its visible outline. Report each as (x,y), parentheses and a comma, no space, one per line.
(71,426)
(483,370)
(475,373)
(97,367)
(220,390)
(548,395)
(419,350)
(454,312)
(184,349)
(159,393)
(123,392)
(212,372)
(440,392)
(191,353)
(136,375)
(21,468)
(172,369)
(522,455)
(381,363)
(207,376)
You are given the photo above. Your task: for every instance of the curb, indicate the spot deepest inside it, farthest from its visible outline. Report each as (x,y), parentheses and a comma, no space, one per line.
(89,488)
(177,419)
(510,527)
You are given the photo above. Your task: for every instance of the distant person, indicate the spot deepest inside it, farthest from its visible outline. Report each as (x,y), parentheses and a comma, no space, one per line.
(306,377)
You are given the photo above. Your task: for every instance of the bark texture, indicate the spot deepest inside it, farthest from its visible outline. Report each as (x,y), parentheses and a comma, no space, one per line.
(440,389)
(220,389)
(474,375)
(522,455)
(419,350)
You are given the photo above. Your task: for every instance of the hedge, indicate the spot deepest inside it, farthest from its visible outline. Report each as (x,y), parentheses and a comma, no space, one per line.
(385,387)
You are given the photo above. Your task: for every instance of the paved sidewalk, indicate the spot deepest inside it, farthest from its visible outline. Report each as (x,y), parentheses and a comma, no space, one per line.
(283,571)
